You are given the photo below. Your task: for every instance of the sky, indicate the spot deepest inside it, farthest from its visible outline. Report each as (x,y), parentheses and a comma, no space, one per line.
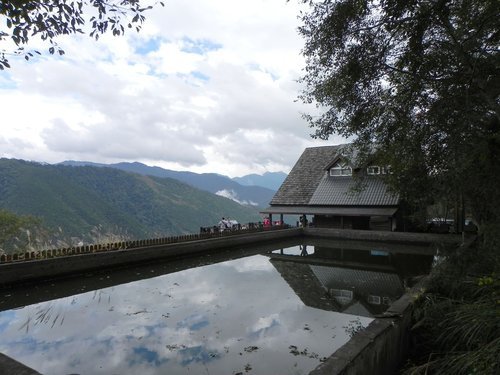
(205,86)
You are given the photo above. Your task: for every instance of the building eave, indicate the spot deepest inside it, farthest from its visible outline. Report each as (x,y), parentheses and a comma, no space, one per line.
(331,210)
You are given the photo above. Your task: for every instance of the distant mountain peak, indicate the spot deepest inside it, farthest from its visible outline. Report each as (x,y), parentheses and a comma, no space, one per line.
(270,180)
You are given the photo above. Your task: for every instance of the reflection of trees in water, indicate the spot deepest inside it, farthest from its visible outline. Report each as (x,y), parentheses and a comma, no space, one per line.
(48,314)
(98,294)
(53,313)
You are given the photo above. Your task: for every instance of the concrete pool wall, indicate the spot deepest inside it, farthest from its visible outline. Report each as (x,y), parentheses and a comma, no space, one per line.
(26,271)
(60,266)
(380,348)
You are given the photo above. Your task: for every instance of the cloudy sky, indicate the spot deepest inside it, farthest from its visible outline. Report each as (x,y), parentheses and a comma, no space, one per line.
(206,86)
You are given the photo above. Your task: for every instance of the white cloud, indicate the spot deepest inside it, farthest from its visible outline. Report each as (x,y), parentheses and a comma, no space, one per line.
(231,194)
(208,86)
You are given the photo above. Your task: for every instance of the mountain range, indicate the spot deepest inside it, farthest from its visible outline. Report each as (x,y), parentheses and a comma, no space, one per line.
(270,180)
(77,200)
(251,190)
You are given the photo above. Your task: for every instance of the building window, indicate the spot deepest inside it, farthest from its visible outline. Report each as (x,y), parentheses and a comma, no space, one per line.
(386,170)
(342,296)
(340,170)
(374,169)
(374,300)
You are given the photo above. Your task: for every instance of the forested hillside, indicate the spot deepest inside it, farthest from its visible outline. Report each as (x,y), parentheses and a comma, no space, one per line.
(81,201)
(258,196)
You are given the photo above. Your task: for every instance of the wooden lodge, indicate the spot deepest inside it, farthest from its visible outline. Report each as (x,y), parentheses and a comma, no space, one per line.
(327,184)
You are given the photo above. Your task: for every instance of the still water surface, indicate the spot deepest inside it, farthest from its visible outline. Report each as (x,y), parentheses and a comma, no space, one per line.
(258,314)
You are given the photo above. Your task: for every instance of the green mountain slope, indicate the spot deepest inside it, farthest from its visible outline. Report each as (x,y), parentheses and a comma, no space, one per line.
(78,199)
(247,194)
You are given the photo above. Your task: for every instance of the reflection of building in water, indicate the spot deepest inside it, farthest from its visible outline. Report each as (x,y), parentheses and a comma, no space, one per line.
(358,282)
(359,292)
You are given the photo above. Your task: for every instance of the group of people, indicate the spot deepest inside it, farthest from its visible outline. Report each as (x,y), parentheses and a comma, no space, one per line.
(267,223)
(228,224)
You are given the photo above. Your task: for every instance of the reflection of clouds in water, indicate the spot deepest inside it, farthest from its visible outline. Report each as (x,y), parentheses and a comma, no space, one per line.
(264,326)
(265,322)
(296,250)
(269,330)
(144,355)
(253,264)
(201,318)
(6,318)
(198,354)
(193,322)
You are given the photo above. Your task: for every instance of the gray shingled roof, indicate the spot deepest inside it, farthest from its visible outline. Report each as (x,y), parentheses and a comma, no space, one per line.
(308,183)
(303,179)
(340,191)
(367,282)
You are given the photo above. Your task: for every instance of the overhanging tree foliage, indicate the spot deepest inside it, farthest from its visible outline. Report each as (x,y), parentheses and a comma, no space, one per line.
(25,19)
(419,78)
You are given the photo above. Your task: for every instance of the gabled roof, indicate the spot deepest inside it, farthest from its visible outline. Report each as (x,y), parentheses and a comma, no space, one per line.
(303,179)
(338,158)
(308,183)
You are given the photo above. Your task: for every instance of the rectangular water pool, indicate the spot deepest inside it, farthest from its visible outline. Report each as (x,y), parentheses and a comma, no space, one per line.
(279,311)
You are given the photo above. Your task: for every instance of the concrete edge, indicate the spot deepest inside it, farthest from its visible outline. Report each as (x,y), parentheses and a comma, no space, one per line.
(385,236)
(10,366)
(380,348)
(28,271)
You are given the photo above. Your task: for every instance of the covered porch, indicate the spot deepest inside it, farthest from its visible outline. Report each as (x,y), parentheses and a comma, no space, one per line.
(367,218)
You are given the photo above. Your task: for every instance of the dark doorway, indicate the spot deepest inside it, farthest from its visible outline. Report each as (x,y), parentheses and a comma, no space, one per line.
(361,222)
